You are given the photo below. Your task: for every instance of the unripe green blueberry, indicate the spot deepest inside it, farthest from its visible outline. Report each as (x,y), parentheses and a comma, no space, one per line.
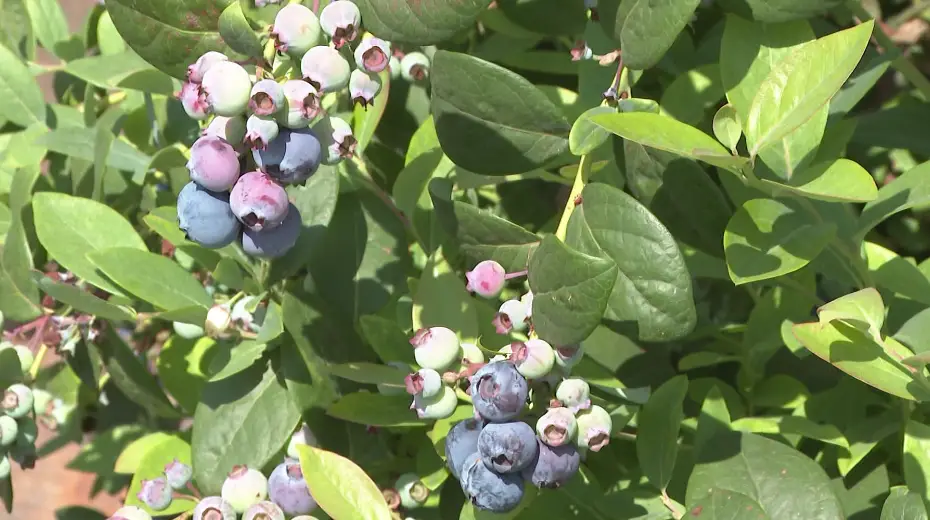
(557,426)
(9,429)
(230,129)
(425,382)
(155,493)
(26,357)
(214,508)
(305,517)
(130,513)
(266,97)
(227,87)
(1,320)
(412,491)
(437,407)
(436,347)
(264,510)
(574,394)
(533,358)
(303,104)
(392,389)
(187,330)
(414,66)
(17,400)
(373,55)
(594,426)
(178,474)
(244,487)
(394,67)
(41,400)
(569,355)
(197,70)
(260,130)
(527,300)
(325,69)
(5,467)
(363,87)
(336,139)
(218,320)
(296,29)
(302,437)
(340,20)
(511,316)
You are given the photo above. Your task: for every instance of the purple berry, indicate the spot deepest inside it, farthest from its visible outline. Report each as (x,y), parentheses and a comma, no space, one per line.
(507,447)
(363,87)
(462,441)
(196,71)
(244,487)
(258,201)
(325,69)
(178,474)
(373,55)
(266,97)
(275,242)
(292,157)
(498,391)
(340,21)
(554,466)
(155,493)
(205,216)
(214,164)
(303,104)
(263,510)
(489,490)
(288,489)
(194,101)
(486,279)
(214,508)
(296,29)
(260,131)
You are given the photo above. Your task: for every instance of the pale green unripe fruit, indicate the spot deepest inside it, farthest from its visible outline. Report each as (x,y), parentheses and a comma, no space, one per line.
(296,29)
(227,86)
(413,492)
(130,513)
(436,348)
(17,400)
(213,506)
(244,487)
(437,407)
(594,426)
(302,437)
(574,394)
(556,427)
(9,429)
(533,358)
(414,66)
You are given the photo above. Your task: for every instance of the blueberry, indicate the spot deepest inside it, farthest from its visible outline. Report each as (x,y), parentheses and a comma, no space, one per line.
(557,427)
(513,315)
(425,382)
(26,358)
(489,490)
(414,66)
(302,102)
(363,87)
(439,406)
(302,437)
(244,487)
(260,131)
(196,71)
(205,216)
(507,447)
(574,394)
(130,513)
(498,391)
(155,493)
(340,20)
(336,139)
(227,87)
(9,429)
(288,489)
(258,201)
(325,69)
(263,510)
(178,474)
(486,279)
(569,355)
(291,158)
(194,101)
(41,402)
(594,426)
(411,490)
(533,358)
(554,466)
(373,55)
(436,347)
(296,29)
(462,441)
(275,242)
(266,97)
(214,508)
(17,400)
(214,164)
(230,129)
(5,467)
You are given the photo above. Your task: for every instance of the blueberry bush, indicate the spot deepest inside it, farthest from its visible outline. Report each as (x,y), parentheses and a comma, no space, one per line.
(469,259)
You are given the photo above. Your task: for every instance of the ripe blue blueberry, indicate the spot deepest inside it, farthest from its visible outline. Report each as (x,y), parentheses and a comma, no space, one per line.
(414,66)
(178,474)
(373,55)
(436,347)
(263,510)
(244,487)
(17,400)
(557,427)
(302,437)
(266,97)
(155,493)
(363,87)
(439,406)
(296,29)
(274,242)
(258,201)
(507,447)
(302,104)
(205,216)
(533,358)
(336,139)
(196,71)
(498,493)
(214,164)
(340,20)
(462,441)
(574,394)
(230,129)
(9,429)
(288,489)
(227,87)
(426,383)
(498,391)
(513,315)
(214,508)
(412,491)
(130,513)
(594,426)
(260,131)
(325,69)
(291,158)
(554,466)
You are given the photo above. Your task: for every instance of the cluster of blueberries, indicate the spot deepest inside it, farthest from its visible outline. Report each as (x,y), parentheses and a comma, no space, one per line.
(246,491)
(281,120)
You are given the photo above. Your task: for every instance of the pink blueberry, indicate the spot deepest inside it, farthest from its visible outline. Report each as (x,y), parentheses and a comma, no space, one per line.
(214,164)
(258,201)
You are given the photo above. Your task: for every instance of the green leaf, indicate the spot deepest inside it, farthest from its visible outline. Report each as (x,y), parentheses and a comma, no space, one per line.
(369,373)
(916,459)
(182,367)
(131,457)
(241,357)
(386,338)
(441,300)
(713,420)
(852,351)
(272,326)
(124,70)
(720,503)
(17,35)
(375,410)
(779,10)
(692,93)
(670,135)
(150,277)
(170,35)
(79,142)
(865,306)
(536,16)
(133,378)
(481,106)
(915,332)
(653,288)
(570,291)
(768,238)
(48,22)
(792,425)
(83,300)
(340,487)
(237,33)
(783,482)
(152,465)
(419,22)
(244,419)
(585,136)
(657,438)
(841,180)
(893,272)
(802,84)
(23,103)
(903,504)
(651,28)
(912,189)
(727,128)
(19,298)
(72,227)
